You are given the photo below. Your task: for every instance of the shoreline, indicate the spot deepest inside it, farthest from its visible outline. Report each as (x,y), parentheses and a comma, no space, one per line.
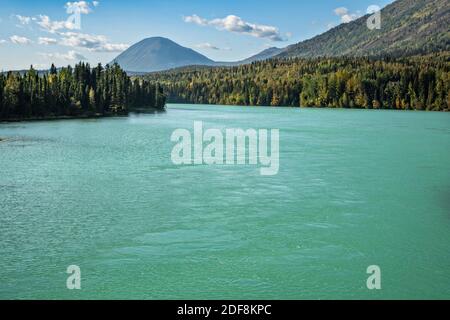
(79,117)
(55,118)
(306,108)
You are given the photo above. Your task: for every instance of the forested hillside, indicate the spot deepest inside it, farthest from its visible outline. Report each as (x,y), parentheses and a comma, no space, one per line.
(74,92)
(417,83)
(408,27)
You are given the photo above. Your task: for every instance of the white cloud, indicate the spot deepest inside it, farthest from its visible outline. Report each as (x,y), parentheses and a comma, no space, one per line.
(112,47)
(81,7)
(97,43)
(235,24)
(53,26)
(346,18)
(73,39)
(196,19)
(78,7)
(91,42)
(47,41)
(341,11)
(23,20)
(20,40)
(70,56)
(3,41)
(345,15)
(40,66)
(207,45)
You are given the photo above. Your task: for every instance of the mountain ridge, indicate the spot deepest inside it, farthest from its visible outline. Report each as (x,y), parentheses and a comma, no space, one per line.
(159,54)
(408,27)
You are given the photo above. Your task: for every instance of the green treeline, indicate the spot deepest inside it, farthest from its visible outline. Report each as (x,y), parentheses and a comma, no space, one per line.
(78,91)
(416,83)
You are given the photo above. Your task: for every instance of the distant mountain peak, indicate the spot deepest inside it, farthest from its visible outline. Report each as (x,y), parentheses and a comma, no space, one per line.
(157,54)
(263,55)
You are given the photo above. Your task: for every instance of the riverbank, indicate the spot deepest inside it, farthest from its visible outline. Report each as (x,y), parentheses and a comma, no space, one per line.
(304,108)
(81,117)
(52,118)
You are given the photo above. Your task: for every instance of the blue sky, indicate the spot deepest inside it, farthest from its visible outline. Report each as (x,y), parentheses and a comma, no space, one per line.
(39,33)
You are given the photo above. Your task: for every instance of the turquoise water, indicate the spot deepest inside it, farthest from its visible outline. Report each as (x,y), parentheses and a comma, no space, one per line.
(355,188)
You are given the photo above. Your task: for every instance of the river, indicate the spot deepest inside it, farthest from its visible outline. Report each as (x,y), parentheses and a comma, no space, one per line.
(355,188)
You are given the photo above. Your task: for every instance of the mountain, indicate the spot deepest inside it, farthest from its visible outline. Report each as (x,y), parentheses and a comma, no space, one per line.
(408,27)
(157,54)
(264,55)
